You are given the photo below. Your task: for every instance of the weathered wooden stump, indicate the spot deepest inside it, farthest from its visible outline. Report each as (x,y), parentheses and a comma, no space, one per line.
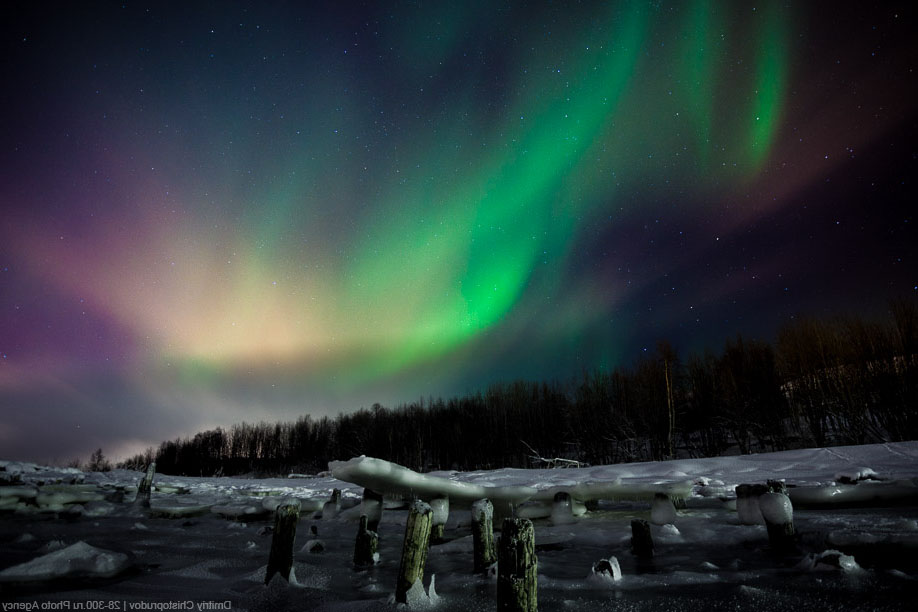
(662,511)
(280,559)
(414,550)
(517,567)
(776,486)
(331,507)
(367,545)
(372,506)
(778,513)
(145,488)
(641,540)
(483,535)
(562,509)
(747,503)
(440,507)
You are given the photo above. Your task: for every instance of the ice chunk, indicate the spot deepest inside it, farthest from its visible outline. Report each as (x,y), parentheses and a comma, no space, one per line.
(417,599)
(386,477)
(855,475)
(440,507)
(313,546)
(481,509)
(670,530)
(22,492)
(561,510)
(776,508)
(662,511)
(605,573)
(829,560)
(78,560)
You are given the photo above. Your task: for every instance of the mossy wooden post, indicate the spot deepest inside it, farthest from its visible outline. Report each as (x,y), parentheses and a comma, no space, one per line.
(280,559)
(483,535)
(641,540)
(517,567)
(440,507)
(331,507)
(367,545)
(414,550)
(145,487)
(372,506)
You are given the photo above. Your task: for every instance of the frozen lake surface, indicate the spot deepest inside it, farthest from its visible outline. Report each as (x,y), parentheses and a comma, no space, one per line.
(206,540)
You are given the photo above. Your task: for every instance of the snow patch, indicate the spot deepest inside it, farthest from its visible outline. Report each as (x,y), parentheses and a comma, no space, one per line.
(77,560)
(605,573)
(828,560)
(776,508)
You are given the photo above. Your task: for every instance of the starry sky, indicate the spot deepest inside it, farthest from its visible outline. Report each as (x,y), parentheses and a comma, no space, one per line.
(222,211)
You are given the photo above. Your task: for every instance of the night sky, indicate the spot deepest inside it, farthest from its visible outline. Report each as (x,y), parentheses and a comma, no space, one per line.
(226,211)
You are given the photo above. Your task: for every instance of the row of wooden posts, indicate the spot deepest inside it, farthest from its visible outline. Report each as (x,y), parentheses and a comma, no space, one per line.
(515,555)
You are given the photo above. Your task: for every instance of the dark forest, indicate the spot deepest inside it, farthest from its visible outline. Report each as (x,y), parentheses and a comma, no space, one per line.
(823,382)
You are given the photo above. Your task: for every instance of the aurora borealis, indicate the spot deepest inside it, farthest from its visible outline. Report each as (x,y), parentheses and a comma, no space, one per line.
(223,211)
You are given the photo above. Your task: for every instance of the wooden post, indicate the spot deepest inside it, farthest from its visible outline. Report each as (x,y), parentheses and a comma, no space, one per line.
(747,503)
(145,487)
(483,535)
(641,540)
(440,507)
(517,567)
(414,550)
(778,513)
(562,512)
(330,508)
(662,511)
(372,506)
(280,559)
(776,486)
(367,545)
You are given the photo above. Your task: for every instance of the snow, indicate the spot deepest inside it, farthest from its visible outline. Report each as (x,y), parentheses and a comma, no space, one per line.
(776,508)
(77,560)
(605,573)
(417,599)
(440,507)
(703,555)
(829,560)
(482,510)
(662,511)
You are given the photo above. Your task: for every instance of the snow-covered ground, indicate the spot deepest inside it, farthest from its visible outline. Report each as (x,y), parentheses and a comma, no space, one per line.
(77,540)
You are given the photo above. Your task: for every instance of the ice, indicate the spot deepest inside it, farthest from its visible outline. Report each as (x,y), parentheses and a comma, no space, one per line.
(481,509)
(662,511)
(386,477)
(776,508)
(239,511)
(218,559)
(856,474)
(313,546)
(748,511)
(865,492)
(77,560)
(829,560)
(440,507)
(24,492)
(417,599)
(561,511)
(605,573)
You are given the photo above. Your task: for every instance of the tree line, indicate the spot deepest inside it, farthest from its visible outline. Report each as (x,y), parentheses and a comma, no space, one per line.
(823,382)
